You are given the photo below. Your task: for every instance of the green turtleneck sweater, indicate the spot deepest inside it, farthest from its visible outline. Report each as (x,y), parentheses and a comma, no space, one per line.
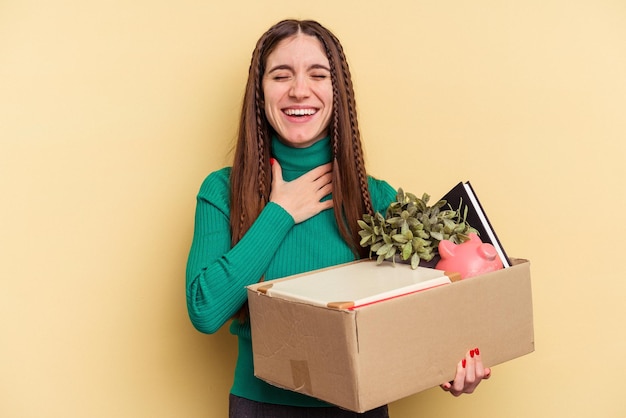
(273,247)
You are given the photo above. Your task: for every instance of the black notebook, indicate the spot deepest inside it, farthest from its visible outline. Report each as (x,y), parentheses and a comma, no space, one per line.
(462,195)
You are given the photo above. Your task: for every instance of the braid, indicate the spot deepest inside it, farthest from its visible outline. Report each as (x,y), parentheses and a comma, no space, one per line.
(356,144)
(335,128)
(242,221)
(253,146)
(335,141)
(354,130)
(260,134)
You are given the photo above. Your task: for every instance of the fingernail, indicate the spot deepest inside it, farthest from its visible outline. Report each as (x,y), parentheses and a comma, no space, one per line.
(472,354)
(464,363)
(476,351)
(272,161)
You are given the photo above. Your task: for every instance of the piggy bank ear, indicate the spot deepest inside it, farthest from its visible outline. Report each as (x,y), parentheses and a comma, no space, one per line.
(446,248)
(487,251)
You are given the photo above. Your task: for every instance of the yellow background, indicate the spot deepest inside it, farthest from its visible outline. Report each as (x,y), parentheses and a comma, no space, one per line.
(112,113)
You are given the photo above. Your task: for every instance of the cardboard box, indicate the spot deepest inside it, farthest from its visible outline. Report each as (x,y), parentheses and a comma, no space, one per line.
(366,357)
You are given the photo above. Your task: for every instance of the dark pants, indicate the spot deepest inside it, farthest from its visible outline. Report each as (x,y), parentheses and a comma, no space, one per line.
(245,408)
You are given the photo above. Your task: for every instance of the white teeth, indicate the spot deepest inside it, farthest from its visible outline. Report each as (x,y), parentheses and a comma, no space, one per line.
(299,112)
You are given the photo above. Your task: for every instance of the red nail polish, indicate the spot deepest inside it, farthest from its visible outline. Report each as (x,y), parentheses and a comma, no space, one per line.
(272,161)
(472,354)
(476,351)
(464,363)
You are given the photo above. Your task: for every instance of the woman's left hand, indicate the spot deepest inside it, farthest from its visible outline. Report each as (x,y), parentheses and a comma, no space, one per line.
(469,373)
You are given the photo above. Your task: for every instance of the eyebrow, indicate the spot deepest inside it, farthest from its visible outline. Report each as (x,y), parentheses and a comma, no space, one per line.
(290,68)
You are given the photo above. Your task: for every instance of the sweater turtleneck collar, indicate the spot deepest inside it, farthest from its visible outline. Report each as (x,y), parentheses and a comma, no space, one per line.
(297,161)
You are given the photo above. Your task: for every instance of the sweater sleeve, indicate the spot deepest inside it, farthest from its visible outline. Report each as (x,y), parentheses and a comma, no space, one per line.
(218,274)
(382,194)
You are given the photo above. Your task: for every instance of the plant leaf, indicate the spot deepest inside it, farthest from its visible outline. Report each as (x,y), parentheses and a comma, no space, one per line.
(436,235)
(415,261)
(385,249)
(363,225)
(407,250)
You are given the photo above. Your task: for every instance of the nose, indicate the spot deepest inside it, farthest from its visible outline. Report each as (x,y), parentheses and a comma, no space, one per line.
(300,88)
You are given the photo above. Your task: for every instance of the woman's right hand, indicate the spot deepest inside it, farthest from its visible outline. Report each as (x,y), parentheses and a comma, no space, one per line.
(301,198)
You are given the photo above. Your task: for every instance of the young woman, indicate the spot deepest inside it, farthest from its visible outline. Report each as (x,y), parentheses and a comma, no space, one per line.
(289,204)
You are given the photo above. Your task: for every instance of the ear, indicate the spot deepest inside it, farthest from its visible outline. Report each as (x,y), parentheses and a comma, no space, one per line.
(446,248)
(487,251)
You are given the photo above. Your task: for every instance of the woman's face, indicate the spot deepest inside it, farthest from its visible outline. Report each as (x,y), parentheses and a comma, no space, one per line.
(298,91)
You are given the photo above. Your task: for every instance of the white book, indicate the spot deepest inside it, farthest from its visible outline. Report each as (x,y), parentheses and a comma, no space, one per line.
(352,285)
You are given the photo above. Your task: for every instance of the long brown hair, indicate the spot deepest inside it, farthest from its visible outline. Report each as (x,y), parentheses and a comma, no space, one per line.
(251,175)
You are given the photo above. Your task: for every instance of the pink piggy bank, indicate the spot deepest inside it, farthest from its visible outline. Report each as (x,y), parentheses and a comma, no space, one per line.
(471,258)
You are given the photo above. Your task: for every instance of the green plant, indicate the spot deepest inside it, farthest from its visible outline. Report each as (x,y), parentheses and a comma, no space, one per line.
(412,229)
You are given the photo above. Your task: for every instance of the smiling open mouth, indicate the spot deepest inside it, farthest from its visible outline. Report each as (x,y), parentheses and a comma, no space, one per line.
(300,112)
